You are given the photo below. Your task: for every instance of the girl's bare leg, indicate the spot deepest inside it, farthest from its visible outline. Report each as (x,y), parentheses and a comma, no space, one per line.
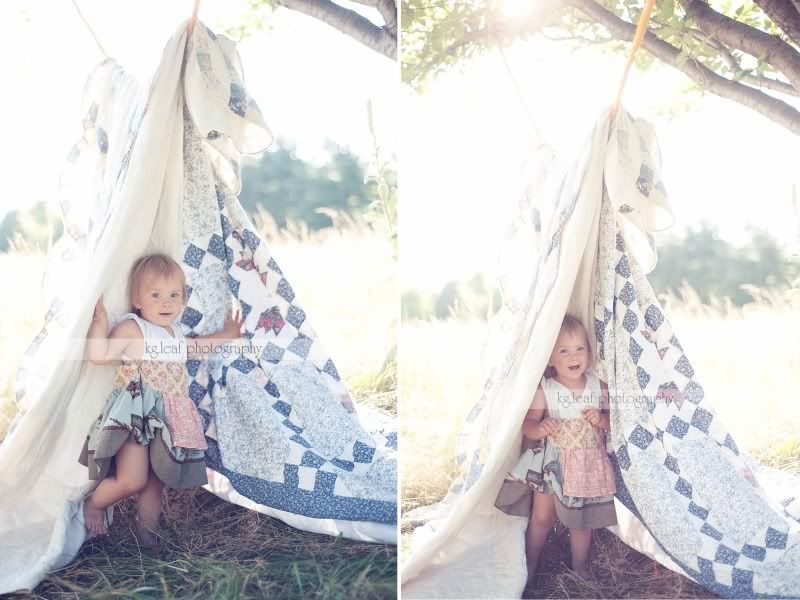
(132,462)
(543,518)
(148,509)
(579,541)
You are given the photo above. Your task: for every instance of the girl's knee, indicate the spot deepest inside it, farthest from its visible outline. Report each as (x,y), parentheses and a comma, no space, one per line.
(544,519)
(132,483)
(580,536)
(154,481)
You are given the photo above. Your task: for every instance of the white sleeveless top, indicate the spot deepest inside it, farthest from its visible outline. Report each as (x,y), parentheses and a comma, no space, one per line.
(158,343)
(561,404)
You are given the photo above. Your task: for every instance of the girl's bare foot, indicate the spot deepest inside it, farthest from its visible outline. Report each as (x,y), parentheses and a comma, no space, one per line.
(94,518)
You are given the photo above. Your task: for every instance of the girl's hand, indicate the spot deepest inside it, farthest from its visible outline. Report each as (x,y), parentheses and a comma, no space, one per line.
(100,315)
(232,329)
(548,426)
(592,415)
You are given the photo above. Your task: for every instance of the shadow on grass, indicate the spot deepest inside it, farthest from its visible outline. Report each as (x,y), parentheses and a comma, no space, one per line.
(617,571)
(211,549)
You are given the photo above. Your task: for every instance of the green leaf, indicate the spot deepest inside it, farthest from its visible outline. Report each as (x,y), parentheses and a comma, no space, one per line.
(667,9)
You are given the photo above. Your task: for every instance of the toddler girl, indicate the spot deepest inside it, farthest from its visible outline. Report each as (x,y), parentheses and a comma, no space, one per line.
(568,466)
(149,433)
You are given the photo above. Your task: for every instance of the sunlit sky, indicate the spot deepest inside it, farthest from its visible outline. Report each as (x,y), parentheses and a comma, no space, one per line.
(464,141)
(461,144)
(311,82)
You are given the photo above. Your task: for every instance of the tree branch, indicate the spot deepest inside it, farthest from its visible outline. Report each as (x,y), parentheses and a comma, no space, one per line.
(770,84)
(349,22)
(759,81)
(766,47)
(784,15)
(576,38)
(772,108)
(387,10)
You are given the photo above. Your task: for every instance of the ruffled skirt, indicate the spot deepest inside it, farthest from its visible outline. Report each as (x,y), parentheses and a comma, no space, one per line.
(542,468)
(136,411)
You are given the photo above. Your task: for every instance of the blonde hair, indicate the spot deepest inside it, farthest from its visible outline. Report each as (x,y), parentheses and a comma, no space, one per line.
(570,324)
(153,264)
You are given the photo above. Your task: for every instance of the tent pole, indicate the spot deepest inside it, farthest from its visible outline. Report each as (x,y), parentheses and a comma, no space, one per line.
(193,18)
(641,30)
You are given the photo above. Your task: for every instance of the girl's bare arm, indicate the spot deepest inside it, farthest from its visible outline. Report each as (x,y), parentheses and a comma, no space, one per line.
(125,337)
(531,428)
(200,345)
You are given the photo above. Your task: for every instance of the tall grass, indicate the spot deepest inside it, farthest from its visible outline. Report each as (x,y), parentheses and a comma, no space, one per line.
(345,279)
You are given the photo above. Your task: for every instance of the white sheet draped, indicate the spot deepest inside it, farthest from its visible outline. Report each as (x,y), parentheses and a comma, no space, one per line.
(42,485)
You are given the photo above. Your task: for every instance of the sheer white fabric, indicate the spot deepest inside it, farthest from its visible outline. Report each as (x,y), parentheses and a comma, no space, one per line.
(42,485)
(466,547)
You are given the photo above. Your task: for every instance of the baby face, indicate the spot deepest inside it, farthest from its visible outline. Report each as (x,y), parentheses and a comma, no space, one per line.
(160,299)
(570,357)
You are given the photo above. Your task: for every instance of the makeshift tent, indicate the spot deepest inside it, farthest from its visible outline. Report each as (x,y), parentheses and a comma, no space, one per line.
(158,170)
(686,496)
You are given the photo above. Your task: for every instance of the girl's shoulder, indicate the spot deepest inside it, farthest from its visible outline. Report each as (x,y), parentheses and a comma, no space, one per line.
(546,383)
(591,378)
(595,378)
(130,325)
(594,383)
(549,388)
